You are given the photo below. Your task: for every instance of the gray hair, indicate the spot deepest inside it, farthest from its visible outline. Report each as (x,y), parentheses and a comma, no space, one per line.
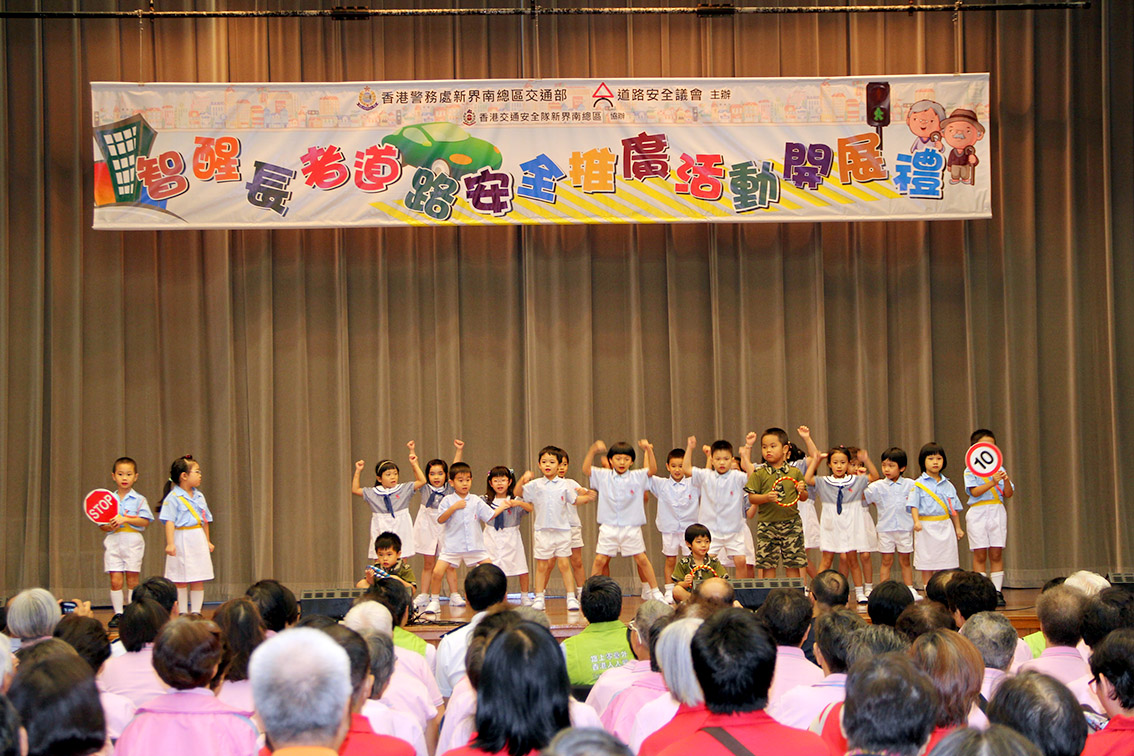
(1090,583)
(675,657)
(649,613)
(533,615)
(993,635)
(874,640)
(33,613)
(585,741)
(921,105)
(369,615)
(301,687)
(381,648)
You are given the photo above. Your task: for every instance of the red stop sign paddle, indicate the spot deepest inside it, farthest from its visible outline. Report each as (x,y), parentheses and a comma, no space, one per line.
(101,506)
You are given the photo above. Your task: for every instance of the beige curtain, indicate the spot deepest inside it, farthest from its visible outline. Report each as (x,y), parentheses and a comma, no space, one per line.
(279,358)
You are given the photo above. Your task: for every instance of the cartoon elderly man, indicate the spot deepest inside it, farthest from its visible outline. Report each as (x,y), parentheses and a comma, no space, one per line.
(962,131)
(924,120)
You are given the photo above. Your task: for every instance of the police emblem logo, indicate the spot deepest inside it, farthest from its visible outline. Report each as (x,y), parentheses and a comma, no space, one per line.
(367,99)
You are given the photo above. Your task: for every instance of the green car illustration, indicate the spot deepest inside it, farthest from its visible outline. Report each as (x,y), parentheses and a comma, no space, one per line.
(444,148)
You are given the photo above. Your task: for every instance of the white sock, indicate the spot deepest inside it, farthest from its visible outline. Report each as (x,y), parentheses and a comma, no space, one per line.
(435,596)
(183,597)
(998,580)
(539,595)
(869,587)
(669,589)
(578,592)
(196,601)
(116,600)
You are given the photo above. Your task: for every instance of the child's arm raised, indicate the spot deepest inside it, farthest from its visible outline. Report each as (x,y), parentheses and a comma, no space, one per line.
(651,461)
(687,461)
(419,478)
(355,486)
(457,455)
(523,481)
(805,433)
(598,447)
(746,453)
(871,470)
(444,516)
(812,466)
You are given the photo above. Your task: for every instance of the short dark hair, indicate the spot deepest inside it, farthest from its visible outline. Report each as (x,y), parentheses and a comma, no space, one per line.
(1043,710)
(487,629)
(997,740)
(935,586)
(392,594)
(381,650)
(277,604)
(696,530)
(970,592)
(554,451)
(980,433)
(830,587)
(896,455)
(874,640)
(434,463)
(459,468)
(621,448)
(887,601)
(1060,580)
(242,630)
(316,621)
(1113,657)
(187,652)
(388,540)
(674,454)
(602,599)
(1060,614)
(141,621)
(158,588)
(87,636)
(786,613)
(356,650)
(58,702)
(9,728)
(734,657)
(921,617)
(652,637)
(833,633)
(891,706)
(1109,610)
(485,585)
(931,449)
(720,445)
(124,461)
(779,433)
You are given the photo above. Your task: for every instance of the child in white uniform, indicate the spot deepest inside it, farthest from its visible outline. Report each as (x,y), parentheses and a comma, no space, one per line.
(188,542)
(427,531)
(389,500)
(551,496)
(895,525)
(678,497)
(840,525)
(987,519)
(502,538)
(124,543)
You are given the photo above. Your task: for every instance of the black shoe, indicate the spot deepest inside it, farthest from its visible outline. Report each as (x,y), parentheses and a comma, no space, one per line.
(114,621)
(1000,599)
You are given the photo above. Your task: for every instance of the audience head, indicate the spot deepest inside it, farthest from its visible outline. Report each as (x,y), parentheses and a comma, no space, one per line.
(995,741)
(316,621)
(141,622)
(601,600)
(301,688)
(1060,614)
(675,657)
(956,669)
(887,601)
(522,698)
(922,617)
(161,590)
(891,706)
(242,631)
(967,593)
(1112,664)
(1043,710)
(59,705)
(715,593)
(1110,610)
(87,636)
(830,588)
(486,586)
(586,741)
(936,586)
(833,632)
(1090,583)
(482,635)
(187,653)
(392,594)
(33,614)
(653,637)
(734,657)
(649,613)
(358,652)
(381,650)
(277,604)
(786,613)
(369,616)
(875,640)
(994,637)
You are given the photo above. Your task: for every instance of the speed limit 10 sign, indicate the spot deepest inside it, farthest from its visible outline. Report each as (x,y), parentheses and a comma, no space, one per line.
(984,459)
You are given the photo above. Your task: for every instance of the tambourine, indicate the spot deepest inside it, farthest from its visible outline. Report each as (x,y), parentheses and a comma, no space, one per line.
(697,571)
(783,490)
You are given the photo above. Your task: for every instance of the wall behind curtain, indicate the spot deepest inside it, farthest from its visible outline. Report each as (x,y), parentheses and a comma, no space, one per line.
(279,358)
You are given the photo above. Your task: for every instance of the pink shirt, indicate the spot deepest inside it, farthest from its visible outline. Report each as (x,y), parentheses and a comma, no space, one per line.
(238,695)
(618,719)
(408,695)
(614,681)
(992,679)
(653,716)
(792,670)
(1064,663)
(1084,694)
(415,664)
(385,721)
(118,710)
(800,706)
(1022,656)
(188,723)
(132,675)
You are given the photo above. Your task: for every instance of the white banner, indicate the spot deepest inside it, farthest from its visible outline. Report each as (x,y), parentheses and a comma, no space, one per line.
(467,152)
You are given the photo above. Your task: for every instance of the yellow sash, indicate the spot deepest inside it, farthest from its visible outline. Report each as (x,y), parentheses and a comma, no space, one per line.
(995,493)
(192,511)
(936,498)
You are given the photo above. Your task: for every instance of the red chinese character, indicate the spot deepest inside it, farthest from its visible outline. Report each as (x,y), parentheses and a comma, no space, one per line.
(860,159)
(162,175)
(701,176)
(645,156)
(376,167)
(217,158)
(323,167)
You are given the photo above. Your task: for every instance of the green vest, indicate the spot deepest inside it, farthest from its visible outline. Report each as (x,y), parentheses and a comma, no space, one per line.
(601,646)
(409,641)
(1036,642)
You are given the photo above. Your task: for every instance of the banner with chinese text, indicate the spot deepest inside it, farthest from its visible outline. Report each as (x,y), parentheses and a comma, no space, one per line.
(468,152)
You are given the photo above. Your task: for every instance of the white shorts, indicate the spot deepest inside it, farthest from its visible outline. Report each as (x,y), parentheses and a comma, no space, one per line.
(810,524)
(987,526)
(426,532)
(867,535)
(576,536)
(935,547)
(549,544)
(470,558)
(673,544)
(124,551)
(193,562)
(895,540)
(400,524)
(613,540)
(729,544)
(505,548)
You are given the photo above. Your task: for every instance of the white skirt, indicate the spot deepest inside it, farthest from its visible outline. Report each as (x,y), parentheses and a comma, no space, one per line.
(840,533)
(400,524)
(193,562)
(810,524)
(935,547)
(426,532)
(505,548)
(867,532)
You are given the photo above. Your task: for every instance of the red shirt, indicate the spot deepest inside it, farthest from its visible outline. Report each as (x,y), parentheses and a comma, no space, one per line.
(756,731)
(468,750)
(684,723)
(1116,739)
(832,731)
(361,740)
(938,734)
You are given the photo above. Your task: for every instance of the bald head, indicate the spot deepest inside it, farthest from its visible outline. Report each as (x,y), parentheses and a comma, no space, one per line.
(716,592)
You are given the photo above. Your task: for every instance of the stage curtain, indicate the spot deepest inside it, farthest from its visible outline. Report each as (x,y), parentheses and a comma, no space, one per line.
(279,358)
